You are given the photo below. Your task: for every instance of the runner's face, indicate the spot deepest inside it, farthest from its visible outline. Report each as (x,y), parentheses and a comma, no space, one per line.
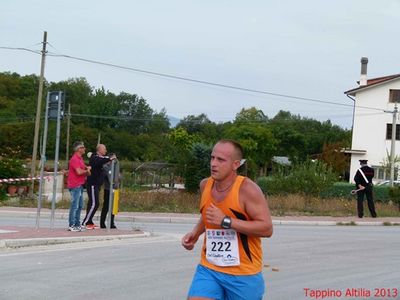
(222,162)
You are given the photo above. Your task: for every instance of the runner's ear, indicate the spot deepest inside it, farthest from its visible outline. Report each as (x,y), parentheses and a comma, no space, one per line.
(236,164)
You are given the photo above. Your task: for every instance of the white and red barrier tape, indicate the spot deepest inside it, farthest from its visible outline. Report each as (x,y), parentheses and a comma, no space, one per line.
(10,180)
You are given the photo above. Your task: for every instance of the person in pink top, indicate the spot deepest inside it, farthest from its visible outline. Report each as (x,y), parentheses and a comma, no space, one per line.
(77,173)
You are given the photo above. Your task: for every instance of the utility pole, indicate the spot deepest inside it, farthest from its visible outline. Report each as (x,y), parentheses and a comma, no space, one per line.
(393,145)
(60,113)
(42,163)
(68,129)
(38,111)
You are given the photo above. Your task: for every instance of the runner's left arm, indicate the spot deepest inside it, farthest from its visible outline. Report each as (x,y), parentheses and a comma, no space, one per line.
(255,205)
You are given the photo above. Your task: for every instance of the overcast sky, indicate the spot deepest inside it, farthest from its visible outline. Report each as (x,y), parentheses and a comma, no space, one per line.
(309,48)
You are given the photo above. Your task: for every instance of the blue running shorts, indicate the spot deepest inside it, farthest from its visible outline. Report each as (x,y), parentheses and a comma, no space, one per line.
(220,286)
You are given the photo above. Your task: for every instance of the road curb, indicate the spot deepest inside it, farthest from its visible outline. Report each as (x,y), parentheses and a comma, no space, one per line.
(333,223)
(308,223)
(149,218)
(19,243)
(122,217)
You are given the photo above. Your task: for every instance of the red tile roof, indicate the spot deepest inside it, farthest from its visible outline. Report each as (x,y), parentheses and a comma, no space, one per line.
(372,81)
(381,79)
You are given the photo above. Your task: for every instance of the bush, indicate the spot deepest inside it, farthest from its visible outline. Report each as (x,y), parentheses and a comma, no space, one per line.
(198,167)
(381,193)
(308,178)
(11,168)
(273,185)
(3,194)
(343,189)
(338,190)
(394,195)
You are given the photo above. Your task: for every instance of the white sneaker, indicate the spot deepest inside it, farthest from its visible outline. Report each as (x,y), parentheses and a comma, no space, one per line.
(73,228)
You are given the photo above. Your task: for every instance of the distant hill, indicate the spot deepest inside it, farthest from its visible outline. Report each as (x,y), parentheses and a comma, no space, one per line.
(173,121)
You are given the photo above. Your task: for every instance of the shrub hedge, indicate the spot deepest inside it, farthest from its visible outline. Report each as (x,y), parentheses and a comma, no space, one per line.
(337,190)
(342,190)
(308,178)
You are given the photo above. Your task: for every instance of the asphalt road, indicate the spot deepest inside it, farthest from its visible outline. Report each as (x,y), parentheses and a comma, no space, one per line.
(318,258)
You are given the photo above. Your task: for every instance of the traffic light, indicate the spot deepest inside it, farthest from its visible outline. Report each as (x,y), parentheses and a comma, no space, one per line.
(54,98)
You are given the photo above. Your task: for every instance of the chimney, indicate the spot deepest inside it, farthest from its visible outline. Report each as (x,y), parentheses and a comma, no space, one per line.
(363,77)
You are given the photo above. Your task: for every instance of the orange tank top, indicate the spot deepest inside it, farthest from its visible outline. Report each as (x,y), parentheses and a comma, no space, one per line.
(250,250)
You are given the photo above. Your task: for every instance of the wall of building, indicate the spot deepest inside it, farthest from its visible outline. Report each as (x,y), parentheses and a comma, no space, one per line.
(369,131)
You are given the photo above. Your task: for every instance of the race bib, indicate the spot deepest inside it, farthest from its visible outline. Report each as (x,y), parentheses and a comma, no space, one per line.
(222,247)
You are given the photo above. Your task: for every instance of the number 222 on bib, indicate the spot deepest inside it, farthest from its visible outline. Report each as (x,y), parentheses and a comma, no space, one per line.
(222,247)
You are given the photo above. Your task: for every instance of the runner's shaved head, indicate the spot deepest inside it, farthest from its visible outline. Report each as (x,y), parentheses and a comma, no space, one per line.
(238,150)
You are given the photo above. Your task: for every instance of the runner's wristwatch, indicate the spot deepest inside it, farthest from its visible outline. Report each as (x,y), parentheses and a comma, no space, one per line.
(226,222)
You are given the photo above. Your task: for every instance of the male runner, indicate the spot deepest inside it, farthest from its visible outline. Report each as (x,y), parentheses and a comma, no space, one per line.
(234,217)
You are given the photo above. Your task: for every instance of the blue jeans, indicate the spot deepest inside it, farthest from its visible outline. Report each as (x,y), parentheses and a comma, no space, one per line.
(76,206)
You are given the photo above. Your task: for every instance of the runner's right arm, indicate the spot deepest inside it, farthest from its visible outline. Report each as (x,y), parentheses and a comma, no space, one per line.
(190,239)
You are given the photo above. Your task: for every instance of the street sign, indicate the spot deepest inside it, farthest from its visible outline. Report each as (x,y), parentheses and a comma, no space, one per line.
(54,98)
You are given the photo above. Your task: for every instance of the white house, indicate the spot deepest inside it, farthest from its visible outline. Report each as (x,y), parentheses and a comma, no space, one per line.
(374,101)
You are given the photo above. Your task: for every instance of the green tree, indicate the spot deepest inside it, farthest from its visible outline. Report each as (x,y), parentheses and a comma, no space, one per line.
(17,136)
(181,139)
(18,97)
(258,143)
(182,143)
(251,130)
(159,123)
(136,113)
(198,166)
(77,93)
(290,142)
(202,127)
(298,137)
(251,115)
(194,124)
(102,110)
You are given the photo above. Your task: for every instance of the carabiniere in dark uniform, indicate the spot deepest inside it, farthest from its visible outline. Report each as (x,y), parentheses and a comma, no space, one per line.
(366,182)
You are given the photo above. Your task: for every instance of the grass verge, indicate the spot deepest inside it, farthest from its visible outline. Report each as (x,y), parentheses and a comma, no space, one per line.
(182,202)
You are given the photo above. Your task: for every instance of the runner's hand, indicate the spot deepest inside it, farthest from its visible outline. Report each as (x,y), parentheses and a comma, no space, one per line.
(214,215)
(189,240)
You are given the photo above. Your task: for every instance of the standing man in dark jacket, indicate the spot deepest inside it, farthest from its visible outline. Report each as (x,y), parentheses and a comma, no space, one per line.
(94,182)
(363,180)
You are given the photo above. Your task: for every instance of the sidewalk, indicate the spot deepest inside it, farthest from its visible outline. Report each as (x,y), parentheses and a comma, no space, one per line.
(19,236)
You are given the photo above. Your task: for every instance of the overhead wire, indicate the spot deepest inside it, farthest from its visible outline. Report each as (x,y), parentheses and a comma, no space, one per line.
(192,80)
(20,49)
(200,81)
(16,120)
